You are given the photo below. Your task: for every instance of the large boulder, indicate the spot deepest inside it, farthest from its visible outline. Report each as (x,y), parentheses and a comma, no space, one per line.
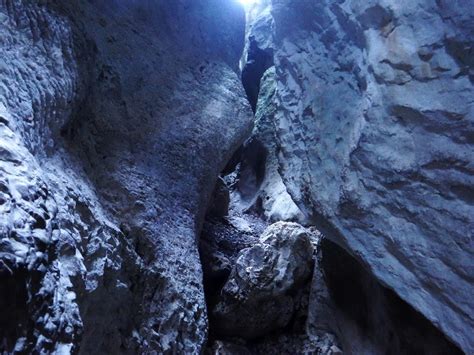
(375,122)
(259,295)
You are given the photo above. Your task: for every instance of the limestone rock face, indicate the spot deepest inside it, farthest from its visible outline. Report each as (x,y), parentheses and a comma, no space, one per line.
(115,119)
(258,296)
(260,187)
(375,119)
(258,52)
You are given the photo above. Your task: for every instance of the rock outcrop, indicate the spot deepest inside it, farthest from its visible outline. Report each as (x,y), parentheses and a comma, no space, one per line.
(260,187)
(375,120)
(260,293)
(115,119)
(259,288)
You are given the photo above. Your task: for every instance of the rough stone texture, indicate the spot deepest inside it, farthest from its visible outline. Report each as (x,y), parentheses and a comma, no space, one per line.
(261,292)
(367,317)
(375,121)
(284,345)
(219,245)
(258,51)
(259,25)
(115,119)
(260,186)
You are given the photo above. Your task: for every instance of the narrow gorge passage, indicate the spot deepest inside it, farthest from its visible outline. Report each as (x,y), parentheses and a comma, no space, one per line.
(341,305)
(236,177)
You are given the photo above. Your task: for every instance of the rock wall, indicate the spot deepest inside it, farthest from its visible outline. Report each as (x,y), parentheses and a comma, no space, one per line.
(115,120)
(375,119)
(368,317)
(260,187)
(117,117)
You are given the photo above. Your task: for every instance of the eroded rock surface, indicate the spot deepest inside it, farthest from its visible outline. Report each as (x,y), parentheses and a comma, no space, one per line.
(115,120)
(117,117)
(375,121)
(259,295)
(285,345)
(258,51)
(260,188)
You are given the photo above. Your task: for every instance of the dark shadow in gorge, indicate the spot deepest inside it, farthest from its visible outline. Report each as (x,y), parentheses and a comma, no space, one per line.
(368,309)
(220,242)
(258,61)
(14,315)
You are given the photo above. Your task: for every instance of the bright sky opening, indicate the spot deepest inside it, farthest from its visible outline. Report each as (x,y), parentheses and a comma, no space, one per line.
(248,3)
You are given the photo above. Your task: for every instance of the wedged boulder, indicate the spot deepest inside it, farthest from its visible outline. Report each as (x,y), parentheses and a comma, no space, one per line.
(259,295)
(219,246)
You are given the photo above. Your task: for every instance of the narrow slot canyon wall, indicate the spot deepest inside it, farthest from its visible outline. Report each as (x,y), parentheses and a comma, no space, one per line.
(118,117)
(115,119)
(375,123)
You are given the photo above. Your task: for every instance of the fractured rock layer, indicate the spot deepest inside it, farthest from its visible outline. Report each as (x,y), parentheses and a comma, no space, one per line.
(117,117)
